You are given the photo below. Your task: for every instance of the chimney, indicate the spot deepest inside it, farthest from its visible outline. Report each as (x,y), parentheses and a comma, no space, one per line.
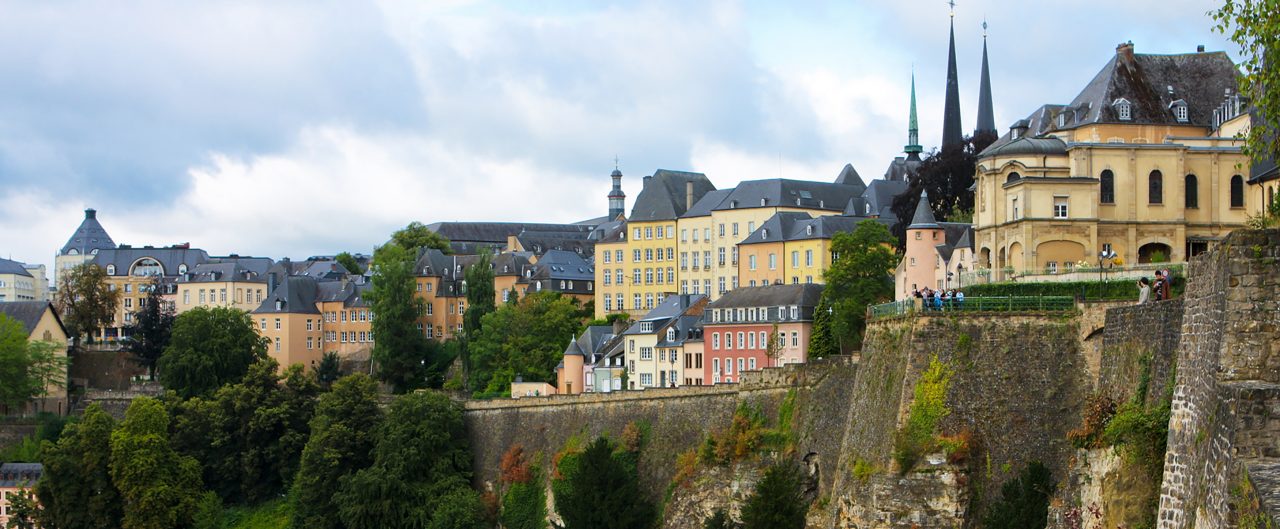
(647,179)
(271,283)
(90,213)
(1125,51)
(619,327)
(688,196)
(1200,48)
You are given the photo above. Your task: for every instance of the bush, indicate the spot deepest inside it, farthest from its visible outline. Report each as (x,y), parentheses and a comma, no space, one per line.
(1098,410)
(863,470)
(524,506)
(1140,435)
(1118,289)
(928,407)
(718,520)
(1024,500)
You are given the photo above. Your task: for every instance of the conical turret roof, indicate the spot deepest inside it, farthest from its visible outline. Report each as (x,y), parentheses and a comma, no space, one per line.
(923,218)
(88,237)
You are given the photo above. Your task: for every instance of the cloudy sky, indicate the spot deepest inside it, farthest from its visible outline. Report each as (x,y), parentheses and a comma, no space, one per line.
(301,128)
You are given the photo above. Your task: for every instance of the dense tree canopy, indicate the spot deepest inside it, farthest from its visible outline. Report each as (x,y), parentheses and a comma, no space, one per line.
(525,339)
(76,490)
(209,347)
(777,501)
(148,334)
(400,350)
(859,276)
(27,369)
(342,442)
(159,488)
(416,235)
(1254,26)
(85,300)
(480,302)
(947,175)
(600,487)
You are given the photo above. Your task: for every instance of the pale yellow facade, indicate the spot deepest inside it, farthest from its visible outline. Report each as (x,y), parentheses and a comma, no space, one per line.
(698,265)
(651,264)
(240,295)
(1044,213)
(613,285)
(18,287)
(783,262)
(48,329)
(292,338)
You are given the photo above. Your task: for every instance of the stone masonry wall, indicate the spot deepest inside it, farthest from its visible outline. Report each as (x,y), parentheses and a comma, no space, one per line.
(1153,330)
(1224,404)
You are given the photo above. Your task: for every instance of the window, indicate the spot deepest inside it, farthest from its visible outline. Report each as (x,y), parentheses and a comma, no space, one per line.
(186,297)
(720,284)
(202,298)
(661,277)
(751,227)
(648,233)
(795,339)
(1107,195)
(648,276)
(277,324)
(309,325)
(721,253)
(764,340)
(1123,109)
(277,344)
(735,229)
(607,277)
(1237,191)
(751,363)
(741,364)
(1013,177)
(728,366)
(795,258)
(721,230)
(715,366)
(728,340)
(751,262)
(263,324)
(773,261)
(310,342)
(648,254)
(635,276)
(635,255)
(684,234)
(715,340)
(111,269)
(742,340)
(706,234)
(808,257)
(1014,210)
(648,301)
(1059,207)
(1155,188)
(646,353)
(636,302)
(617,256)
(606,256)
(1179,108)
(1052,267)
(608,301)
(646,379)
(1192,192)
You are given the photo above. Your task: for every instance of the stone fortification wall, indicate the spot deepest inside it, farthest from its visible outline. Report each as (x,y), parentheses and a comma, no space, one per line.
(678,419)
(1135,334)
(1225,412)
(96,368)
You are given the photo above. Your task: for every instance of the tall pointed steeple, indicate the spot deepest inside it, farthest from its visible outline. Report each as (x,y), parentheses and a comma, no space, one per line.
(913,148)
(986,120)
(951,135)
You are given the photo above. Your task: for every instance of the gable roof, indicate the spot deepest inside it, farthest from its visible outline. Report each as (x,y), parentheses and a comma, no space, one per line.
(880,195)
(13,267)
(665,195)
(708,202)
(296,294)
(29,313)
(803,294)
(89,236)
(559,264)
(671,307)
(171,258)
(780,192)
(850,177)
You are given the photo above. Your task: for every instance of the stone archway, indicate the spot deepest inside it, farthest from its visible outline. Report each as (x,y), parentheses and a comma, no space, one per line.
(1016,258)
(1151,249)
(1059,253)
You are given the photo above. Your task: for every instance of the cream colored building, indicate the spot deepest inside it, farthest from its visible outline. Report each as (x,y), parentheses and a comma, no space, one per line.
(42,324)
(236,282)
(22,282)
(135,271)
(654,350)
(1138,164)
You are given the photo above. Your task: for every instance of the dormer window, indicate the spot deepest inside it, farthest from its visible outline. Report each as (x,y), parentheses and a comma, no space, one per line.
(808,230)
(182,268)
(671,334)
(111,269)
(1062,120)
(1179,109)
(733,204)
(764,233)
(764,201)
(1124,110)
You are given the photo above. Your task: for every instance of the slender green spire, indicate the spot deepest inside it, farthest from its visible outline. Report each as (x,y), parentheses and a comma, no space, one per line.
(913,148)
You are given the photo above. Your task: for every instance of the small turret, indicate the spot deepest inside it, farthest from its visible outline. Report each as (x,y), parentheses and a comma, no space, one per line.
(617,199)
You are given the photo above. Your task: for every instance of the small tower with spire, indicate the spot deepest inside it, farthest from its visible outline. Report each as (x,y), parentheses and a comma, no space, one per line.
(913,148)
(986,119)
(951,135)
(617,199)
(920,265)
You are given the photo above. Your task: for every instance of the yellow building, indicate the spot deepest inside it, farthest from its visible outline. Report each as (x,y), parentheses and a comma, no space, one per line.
(1137,164)
(612,285)
(236,282)
(41,323)
(135,271)
(292,322)
(699,265)
(790,248)
(22,282)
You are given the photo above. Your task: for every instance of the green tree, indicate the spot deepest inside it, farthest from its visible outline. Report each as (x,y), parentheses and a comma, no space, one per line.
(342,442)
(947,175)
(148,334)
(160,488)
(600,487)
(328,370)
(1024,500)
(400,350)
(416,235)
(421,456)
(27,369)
(777,501)
(349,262)
(1254,26)
(249,436)
(523,339)
(718,520)
(76,490)
(774,349)
(524,505)
(23,510)
(461,508)
(209,347)
(480,302)
(822,339)
(860,276)
(85,301)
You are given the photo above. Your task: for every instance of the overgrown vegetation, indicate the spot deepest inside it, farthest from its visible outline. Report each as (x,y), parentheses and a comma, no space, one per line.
(747,435)
(525,338)
(928,407)
(860,275)
(777,501)
(28,368)
(1119,289)
(524,502)
(600,487)
(1024,500)
(1098,410)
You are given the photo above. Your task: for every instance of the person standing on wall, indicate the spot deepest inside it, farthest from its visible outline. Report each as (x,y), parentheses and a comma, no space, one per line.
(1144,290)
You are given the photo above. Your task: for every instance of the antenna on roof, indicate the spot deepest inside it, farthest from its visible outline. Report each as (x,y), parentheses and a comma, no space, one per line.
(984,27)
(615,161)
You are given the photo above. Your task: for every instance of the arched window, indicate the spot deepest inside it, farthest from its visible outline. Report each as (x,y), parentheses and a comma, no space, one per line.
(1237,191)
(1013,177)
(111,269)
(1193,192)
(1155,188)
(1108,192)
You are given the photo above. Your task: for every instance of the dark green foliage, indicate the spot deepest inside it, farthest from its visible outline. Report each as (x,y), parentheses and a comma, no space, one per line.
(421,457)
(349,262)
(149,333)
(1140,434)
(209,512)
(49,427)
(480,302)
(329,369)
(778,500)
(27,369)
(719,520)
(1094,290)
(23,511)
(401,350)
(861,275)
(524,506)
(84,300)
(526,339)
(160,488)
(928,407)
(76,490)
(1024,500)
(249,436)
(209,347)
(1254,26)
(342,442)
(947,176)
(416,236)
(460,508)
(600,487)
(822,340)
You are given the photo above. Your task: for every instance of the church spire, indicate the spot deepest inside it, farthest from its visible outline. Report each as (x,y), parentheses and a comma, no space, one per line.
(951,135)
(913,148)
(986,120)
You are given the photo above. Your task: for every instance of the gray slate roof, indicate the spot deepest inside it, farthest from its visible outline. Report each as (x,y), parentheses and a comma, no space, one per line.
(804,295)
(559,264)
(664,196)
(1050,146)
(850,177)
(880,195)
(923,218)
(779,192)
(297,295)
(28,313)
(170,258)
(20,474)
(708,202)
(901,169)
(497,232)
(671,307)
(13,267)
(88,237)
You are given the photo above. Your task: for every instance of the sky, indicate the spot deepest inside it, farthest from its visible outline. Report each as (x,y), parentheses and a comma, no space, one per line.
(298,128)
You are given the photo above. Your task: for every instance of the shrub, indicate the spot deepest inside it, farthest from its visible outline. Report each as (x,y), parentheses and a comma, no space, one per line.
(863,470)
(718,520)
(524,506)
(956,447)
(686,465)
(1113,289)
(1140,435)
(1024,500)
(1098,411)
(928,407)
(514,467)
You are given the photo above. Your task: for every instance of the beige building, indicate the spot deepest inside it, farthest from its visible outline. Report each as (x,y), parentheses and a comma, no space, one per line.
(236,282)
(15,479)
(135,271)
(42,324)
(1138,164)
(22,282)
(654,354)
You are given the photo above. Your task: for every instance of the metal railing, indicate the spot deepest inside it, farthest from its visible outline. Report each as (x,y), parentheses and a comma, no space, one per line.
(973,304)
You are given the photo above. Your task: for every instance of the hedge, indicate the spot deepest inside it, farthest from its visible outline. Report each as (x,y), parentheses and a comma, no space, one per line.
(1089,290)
